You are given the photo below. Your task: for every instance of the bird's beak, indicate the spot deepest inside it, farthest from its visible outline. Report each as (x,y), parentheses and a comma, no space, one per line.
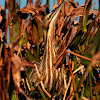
(56,11)
(50,20)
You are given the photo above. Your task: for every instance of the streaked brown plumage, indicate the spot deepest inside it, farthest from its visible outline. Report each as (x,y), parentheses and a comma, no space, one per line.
(50,74)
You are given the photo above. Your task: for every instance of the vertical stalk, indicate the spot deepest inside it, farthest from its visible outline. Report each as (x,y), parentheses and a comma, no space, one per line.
(47,9)
(75,67)
(42,94)
(73,81)
(54,2)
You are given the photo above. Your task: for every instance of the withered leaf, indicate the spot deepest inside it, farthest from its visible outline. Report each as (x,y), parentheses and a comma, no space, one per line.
(30,9)
(16,70)
(41,8)
(16,73)
(73,34)
(77,12)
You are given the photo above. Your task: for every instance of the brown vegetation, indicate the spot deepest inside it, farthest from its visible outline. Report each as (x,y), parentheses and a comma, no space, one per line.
(77,46)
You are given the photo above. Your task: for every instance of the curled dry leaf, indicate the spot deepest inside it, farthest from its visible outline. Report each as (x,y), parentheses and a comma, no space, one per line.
(30,9)
(68,9)
(73,34)
(16,73)
(77,12)
(16,70)
(58,32)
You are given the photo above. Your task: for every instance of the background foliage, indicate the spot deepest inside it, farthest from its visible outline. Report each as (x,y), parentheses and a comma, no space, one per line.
(77,44)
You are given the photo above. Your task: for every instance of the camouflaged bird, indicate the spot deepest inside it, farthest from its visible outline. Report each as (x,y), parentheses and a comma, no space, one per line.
(51,76)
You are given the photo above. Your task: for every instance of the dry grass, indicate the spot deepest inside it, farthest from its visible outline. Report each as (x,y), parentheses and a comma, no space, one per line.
(77,45)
